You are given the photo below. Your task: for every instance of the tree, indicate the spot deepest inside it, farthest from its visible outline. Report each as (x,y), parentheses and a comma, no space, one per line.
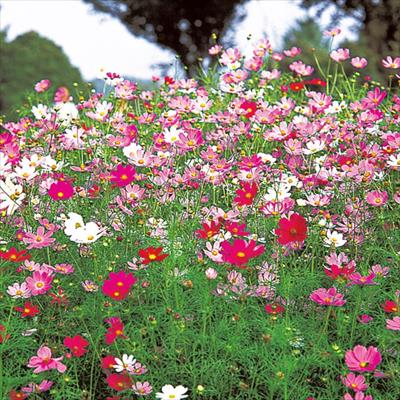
(378,21)
(26,60)
(307,35)
(183,26)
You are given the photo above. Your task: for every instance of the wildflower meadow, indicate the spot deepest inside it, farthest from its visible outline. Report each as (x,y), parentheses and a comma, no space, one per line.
(233,236)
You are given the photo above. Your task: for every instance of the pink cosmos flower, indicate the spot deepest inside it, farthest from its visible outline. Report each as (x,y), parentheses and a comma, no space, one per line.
(355,382)
(377,198)
(364,319)
(39,283)
(42,86)
(389,62)
(18,291)
(327,297)
(361,359)
(333,32)
(39,239)
(340,55)
(393,324)
(358,62)
(44,386)
(358,396)
(44,361)
(142,388)
(358,279)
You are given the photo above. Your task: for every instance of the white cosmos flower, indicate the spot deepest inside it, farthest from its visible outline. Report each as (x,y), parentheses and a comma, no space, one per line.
(127,363)
(334,238)
(314,147)
(41,111)
(394,161)
(11,196)
(89,233)
(5,166)
(172,393)
(74,222)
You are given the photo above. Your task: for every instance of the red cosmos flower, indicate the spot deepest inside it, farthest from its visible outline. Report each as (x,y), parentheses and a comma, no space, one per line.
(274,308)
(240,252)
(246,194)
(291,230)
(14,255)
(118,285)
(169,80)
(315,81)
(108,362)
(208,231)
(152,254)
(250,107)
(236,229)
(28,310)
(390,306)
(61,190)
(123,175)
(59,298)
(296,86)
(3,338)
(77,345)
(119,382)
(94,191)
(115,330)
(14,395)
(336,272)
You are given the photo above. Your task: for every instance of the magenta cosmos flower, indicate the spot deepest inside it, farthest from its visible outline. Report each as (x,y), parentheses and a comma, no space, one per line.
(377,198)
(361,359)
(327,297)
(39,283)
(44,361)
(61,190)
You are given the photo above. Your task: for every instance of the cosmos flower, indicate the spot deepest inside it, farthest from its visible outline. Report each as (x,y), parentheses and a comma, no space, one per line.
(77,345)
(327,297)
(152,254)
(292,229)
(240,251)
(169,392)
(361,359)
(45,362)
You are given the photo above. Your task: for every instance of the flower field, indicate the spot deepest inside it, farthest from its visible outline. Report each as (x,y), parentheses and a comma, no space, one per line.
(231,237)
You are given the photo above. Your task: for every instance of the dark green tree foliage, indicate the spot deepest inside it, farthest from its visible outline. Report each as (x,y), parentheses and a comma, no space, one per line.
(26,60)
(183,26)
(378,22)
(307,35)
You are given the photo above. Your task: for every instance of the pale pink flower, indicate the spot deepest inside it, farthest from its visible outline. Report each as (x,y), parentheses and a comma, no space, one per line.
(393,324)
(358,62)
(389,62)
(142,389)
(44,361)
(214,50)
(18,291)
(211,273)
(333,32)
(340,55)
